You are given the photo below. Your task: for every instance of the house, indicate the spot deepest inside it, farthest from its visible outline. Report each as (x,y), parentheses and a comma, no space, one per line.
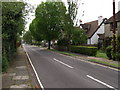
(94,30)
(109,25)
(119,6)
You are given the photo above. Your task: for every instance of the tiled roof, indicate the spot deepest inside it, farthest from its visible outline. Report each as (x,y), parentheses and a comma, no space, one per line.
(117,17)
(90,27)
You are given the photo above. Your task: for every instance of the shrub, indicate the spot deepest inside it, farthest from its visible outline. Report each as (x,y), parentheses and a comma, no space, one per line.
(109,52)
(62,42)
(87,50)
(4,63)
(61,48)
(118,47)
(118,56)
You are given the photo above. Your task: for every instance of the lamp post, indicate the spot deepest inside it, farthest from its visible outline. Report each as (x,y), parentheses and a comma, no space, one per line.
(114,30)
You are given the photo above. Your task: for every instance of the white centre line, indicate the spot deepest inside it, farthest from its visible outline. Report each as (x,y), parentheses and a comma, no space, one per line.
(63,63)
(100,81)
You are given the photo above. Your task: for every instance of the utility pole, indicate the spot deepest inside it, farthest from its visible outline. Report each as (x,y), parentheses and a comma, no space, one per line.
(114,30)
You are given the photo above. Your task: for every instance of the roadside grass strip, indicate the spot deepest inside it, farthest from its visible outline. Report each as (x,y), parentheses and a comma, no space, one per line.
(90,60)
(105,63)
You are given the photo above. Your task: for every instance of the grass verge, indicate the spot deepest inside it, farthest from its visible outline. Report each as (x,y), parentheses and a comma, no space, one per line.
(65,53)
(101,54)
(92,60)
(105,63)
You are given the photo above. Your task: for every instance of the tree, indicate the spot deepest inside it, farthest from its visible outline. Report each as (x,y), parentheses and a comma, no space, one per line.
(70,17)
(35,31)
(12,27)
(49,17)
(79,36)
(27,37)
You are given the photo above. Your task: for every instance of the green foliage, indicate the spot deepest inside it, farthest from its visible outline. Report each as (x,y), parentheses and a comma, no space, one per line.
(87,50)
(109,52)
(50,15)
(101,54)
(36,32)
(118,56)
(79,37)
(12,27)
(49,21)
(4,62)
(62,42)
(118,47)
(27,37)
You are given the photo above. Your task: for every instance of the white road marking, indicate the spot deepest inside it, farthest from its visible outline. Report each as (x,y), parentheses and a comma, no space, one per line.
(100,81)
(63,63)
(34,69)
(77,58)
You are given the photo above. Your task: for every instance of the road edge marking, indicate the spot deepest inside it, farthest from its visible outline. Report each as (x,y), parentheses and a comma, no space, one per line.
(109,86)
(41,85)
(63,63)
(77,58)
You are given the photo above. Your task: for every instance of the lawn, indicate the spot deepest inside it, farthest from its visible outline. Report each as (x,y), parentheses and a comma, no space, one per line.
(105,63)
(101,54)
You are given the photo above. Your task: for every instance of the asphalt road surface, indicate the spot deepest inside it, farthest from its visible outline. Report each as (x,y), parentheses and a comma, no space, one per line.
(60,71)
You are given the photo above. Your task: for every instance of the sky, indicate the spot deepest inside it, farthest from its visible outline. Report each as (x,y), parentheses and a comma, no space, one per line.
(89,10)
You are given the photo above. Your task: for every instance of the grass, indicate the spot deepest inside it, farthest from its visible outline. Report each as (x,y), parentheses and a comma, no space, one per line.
(65,53)
(105,63)
(101,54)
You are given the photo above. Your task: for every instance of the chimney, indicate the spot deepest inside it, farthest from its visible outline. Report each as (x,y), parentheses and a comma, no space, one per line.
(100,19)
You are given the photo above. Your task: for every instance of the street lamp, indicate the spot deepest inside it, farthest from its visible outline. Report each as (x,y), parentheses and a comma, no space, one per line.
(114,30)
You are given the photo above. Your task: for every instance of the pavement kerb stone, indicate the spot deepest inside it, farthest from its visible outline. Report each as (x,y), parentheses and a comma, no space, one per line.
(87,59)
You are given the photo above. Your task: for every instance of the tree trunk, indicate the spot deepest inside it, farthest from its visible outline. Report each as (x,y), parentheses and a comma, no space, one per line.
(49,44)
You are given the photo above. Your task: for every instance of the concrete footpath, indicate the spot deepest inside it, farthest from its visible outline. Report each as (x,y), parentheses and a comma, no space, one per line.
(20,73)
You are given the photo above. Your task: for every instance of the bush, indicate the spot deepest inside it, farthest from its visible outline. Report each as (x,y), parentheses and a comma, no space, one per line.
(87,50)
(4,63)
(61,48)
(118,56)
(109,52)
(62,42)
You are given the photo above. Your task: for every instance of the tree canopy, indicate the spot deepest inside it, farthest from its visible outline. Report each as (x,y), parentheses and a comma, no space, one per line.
(12,27)
(53,22)
(49,20)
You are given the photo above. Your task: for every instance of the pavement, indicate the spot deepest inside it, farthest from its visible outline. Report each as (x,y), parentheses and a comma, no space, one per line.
(55,70)
(20,73)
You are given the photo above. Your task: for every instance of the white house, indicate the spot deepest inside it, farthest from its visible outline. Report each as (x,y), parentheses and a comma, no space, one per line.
(94,30)
(119,6)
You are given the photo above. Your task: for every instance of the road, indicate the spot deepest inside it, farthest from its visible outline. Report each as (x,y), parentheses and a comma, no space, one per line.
(59,71)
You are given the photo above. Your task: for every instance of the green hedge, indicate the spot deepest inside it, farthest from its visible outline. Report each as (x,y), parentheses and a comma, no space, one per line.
(86,50)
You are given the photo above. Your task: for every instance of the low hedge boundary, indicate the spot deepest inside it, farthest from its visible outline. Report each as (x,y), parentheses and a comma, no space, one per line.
(86,50)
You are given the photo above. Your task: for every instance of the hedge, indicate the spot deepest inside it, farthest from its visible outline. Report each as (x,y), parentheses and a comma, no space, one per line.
(86,50)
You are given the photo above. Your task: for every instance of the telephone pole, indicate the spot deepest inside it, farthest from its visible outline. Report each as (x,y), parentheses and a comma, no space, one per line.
(114,30)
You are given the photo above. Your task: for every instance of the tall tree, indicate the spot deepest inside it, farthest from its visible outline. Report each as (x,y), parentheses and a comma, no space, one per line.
(36,32)
(50,19)
(70,18)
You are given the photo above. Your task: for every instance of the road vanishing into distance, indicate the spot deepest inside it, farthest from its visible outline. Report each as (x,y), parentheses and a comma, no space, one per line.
(59,71)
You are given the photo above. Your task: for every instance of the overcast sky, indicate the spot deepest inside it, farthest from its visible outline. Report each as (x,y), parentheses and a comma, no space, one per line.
(89,10)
